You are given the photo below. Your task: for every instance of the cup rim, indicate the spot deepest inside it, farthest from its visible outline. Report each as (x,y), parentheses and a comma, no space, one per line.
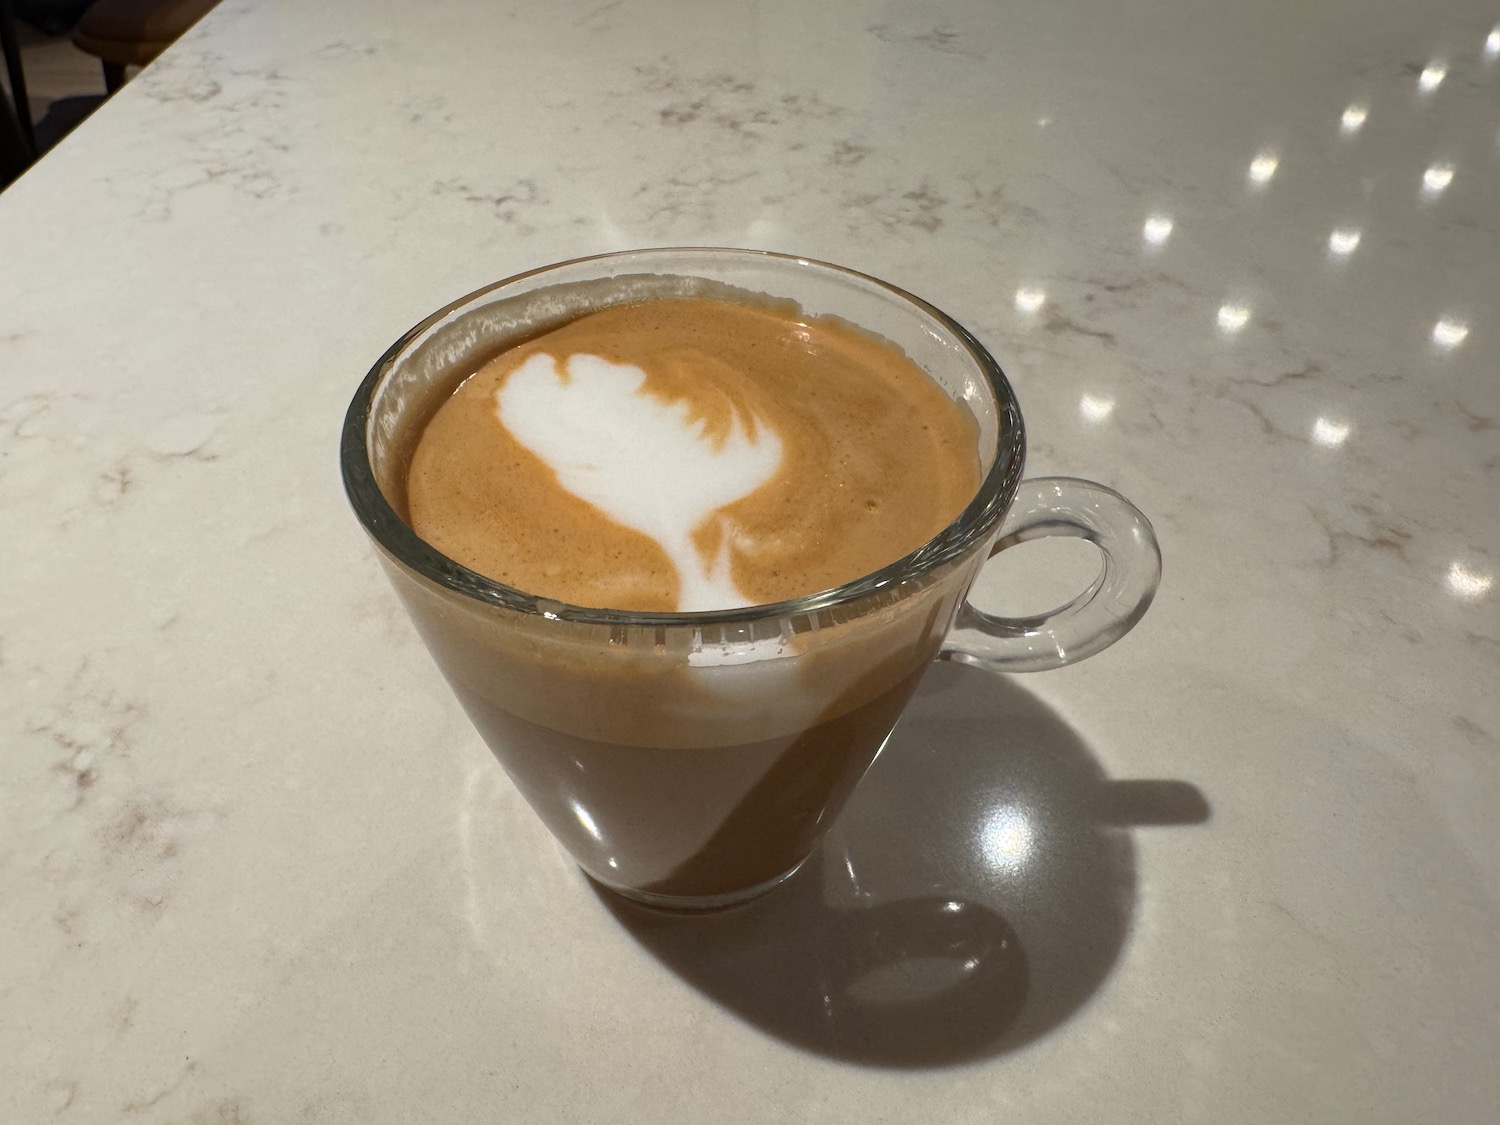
(396,537)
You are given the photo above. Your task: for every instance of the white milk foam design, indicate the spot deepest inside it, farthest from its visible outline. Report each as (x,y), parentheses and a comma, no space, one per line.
(643,462)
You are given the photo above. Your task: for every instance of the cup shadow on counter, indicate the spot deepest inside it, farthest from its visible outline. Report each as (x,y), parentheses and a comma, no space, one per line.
(975,893)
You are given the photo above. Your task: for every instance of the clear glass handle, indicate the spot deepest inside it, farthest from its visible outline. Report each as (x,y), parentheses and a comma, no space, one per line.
(1096,618)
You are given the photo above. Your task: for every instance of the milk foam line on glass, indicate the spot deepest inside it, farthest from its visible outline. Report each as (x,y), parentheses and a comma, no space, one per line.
(644,462)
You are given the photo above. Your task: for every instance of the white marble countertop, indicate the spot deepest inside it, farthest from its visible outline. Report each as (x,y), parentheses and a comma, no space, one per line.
(1241,264)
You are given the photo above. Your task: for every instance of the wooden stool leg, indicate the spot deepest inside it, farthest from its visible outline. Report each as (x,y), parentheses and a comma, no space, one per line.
(11,45)
(114,76)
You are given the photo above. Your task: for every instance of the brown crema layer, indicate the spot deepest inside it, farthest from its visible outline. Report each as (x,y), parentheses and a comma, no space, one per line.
(876,459)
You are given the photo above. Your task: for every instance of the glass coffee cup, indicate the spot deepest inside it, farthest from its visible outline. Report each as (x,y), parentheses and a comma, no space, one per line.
(693,760)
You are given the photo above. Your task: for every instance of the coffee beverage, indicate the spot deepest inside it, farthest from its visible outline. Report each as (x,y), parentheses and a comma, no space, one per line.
(574,475)
(691,454)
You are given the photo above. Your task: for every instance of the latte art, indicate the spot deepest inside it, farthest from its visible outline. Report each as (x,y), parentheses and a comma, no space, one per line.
(691,454)
(649,463)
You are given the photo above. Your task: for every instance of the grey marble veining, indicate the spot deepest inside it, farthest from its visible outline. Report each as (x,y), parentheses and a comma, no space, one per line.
(1241,264)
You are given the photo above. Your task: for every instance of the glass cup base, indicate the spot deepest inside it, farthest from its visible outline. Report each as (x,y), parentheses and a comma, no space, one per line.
(697,904)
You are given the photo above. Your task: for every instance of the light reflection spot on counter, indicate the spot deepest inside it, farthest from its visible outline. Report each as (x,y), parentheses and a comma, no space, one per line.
(1449,332)
(1331,434)
(1465,582)
(1096,408)
(1263,167)
(1029,299)
(1492,44)
(1343,241)
(1233,317)
(1353,119)
(1006,838)
(1158,229)
(1432,76)
(1436,178)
